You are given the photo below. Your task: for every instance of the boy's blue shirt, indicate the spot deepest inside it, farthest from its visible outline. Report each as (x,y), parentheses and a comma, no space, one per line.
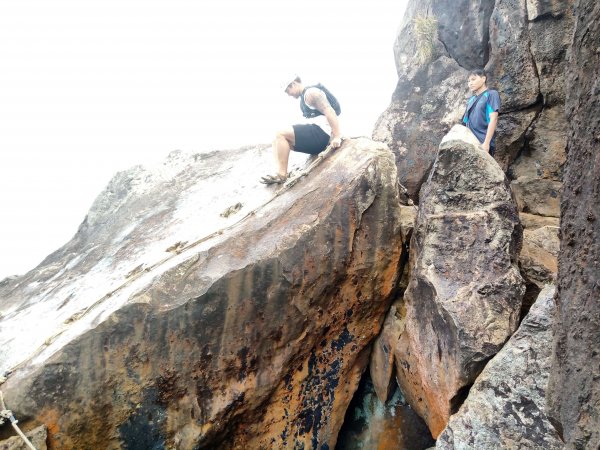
(477,116)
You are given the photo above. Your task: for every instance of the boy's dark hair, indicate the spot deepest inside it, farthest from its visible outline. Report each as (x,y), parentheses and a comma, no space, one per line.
(479,73)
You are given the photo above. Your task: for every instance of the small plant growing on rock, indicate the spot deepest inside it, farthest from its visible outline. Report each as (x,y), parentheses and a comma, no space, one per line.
(425,34)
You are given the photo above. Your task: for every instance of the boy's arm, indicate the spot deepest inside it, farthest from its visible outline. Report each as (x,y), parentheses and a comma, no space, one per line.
(315,98)
(490,131)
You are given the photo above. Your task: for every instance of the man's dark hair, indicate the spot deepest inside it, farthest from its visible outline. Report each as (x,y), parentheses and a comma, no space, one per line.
(479,73)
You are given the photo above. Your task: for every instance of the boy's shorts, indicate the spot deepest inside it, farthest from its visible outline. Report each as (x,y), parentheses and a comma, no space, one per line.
(310,138)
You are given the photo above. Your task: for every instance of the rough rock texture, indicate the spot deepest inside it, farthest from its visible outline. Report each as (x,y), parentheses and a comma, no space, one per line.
(506,405)
(372,424)
(575,376)
(464,295)
(37,437)
(537,172)
(166,323)
(523,45)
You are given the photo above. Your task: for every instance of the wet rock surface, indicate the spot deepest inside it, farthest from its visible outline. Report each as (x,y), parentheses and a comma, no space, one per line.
(164,323)
(464,295)
(506,405)
(574,395)
(372,424)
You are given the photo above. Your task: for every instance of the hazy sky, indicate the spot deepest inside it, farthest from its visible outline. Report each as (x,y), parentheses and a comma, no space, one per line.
(91,87)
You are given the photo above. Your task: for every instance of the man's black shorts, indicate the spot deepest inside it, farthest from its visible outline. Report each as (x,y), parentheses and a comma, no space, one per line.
(310,138)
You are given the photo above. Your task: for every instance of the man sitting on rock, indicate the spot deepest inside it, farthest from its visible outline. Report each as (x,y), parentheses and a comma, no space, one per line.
(323,128)
(481,115)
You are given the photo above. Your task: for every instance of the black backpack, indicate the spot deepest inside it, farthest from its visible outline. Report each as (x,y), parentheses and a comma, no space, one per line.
(309,113)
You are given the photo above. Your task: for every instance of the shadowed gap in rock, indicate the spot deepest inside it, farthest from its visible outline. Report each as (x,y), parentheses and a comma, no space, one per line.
(371,424)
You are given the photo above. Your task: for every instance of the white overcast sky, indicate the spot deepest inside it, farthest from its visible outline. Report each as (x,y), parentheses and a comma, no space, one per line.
(92,87)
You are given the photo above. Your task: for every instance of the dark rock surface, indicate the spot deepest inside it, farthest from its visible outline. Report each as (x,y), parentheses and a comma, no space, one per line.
(575,375)
(165,324)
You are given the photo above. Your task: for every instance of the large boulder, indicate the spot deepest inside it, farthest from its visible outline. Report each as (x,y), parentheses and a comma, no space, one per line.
(511,63)
(196,308)
(506,405)
(464,28)
(464,295)
(574,379)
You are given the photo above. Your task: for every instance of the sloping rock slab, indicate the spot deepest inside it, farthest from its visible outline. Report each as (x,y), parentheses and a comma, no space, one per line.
(465,290)
(506,405)
(195,330)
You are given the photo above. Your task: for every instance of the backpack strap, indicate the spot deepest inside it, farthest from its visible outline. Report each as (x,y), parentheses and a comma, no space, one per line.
(470,108)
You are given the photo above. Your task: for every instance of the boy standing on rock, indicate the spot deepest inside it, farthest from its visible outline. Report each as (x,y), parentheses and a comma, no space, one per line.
(481,114)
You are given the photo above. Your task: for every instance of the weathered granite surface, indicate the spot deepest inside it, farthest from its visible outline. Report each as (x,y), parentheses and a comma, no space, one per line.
(178,318)
(506,406)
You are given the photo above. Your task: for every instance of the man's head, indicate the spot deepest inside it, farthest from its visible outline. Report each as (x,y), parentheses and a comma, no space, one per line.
(477,80)
(294,88)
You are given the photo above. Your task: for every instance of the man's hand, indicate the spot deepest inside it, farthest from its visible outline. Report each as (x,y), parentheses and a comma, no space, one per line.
(486,146)
(336,142)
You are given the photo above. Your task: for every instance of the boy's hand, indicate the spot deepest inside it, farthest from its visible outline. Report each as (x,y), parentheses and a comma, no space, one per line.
(336,142)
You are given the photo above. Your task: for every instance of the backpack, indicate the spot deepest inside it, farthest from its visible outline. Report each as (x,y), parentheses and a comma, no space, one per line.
(309,113)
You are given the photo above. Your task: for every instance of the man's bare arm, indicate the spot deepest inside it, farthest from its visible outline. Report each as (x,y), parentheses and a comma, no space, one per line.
(316,98)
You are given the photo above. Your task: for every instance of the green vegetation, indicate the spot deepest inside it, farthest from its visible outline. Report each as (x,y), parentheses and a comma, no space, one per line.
(425,34)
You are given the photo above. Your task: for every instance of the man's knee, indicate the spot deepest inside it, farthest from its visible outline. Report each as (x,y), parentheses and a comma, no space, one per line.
(286,135)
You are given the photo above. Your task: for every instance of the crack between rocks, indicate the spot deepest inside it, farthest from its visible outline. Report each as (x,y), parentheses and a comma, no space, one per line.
(540,97)
(486,35)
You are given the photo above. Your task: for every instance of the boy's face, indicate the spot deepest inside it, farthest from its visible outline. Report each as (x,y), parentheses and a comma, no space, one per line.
(476,82)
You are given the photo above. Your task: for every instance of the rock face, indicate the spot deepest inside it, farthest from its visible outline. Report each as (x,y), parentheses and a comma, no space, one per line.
(166,324)
(574,381)
(522,44)
(506,405)
(426,102)
(464,295)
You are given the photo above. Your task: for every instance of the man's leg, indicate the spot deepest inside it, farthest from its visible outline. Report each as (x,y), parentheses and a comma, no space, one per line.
(282,145)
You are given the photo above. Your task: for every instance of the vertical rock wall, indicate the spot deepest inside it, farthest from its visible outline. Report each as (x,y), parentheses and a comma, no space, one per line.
(575,376)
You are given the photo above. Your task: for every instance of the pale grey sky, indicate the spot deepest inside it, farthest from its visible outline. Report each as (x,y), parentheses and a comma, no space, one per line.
(91,87)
